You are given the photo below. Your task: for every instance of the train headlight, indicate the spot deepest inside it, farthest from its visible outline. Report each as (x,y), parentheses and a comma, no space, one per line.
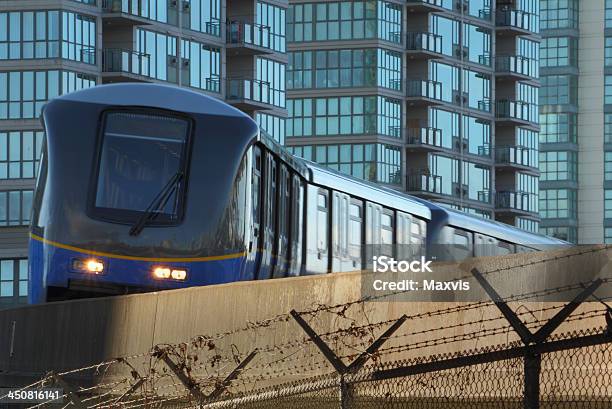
(90,265)
(168,273)
(179,274)
(161,272)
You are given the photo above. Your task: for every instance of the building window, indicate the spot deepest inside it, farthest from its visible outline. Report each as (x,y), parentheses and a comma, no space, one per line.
(608,235)
(558,128)
(271,75)
(271,20)
(15,206)
(558,166)
(558,52)
(374,162)
(161,60)
(527,224)
(273,125)
(558,203)
(608,90)
(608,14)
(559,89)
(566,233)
(23,93)
(608,128)
(204,66)
(13,278)
(344,116)
(28,34)
(608,203)
(607,166)
(345,20)
(204,16)
(558,14)
(608,52)
(345,68)
(19,154)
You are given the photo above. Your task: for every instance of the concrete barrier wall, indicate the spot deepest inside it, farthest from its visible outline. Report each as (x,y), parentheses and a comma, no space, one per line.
(73,334)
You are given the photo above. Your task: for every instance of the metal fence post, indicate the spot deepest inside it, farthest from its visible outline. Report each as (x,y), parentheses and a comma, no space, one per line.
(533,364)
(345,393)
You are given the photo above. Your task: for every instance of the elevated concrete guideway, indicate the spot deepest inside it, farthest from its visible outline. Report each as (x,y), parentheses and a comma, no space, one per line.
(74,334)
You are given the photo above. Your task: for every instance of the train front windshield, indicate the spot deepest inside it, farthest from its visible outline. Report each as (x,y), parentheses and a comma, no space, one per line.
(141,167)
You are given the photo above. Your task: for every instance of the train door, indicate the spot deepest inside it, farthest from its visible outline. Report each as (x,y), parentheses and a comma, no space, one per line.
(340,230)
(372,232)
(269,219)
(254,244)
(297,225)
(283,252)
(317,230)
(355,234)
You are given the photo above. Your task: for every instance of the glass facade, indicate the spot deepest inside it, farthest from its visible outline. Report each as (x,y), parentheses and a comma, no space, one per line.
(273,22)
(561,165)
(47,34)
(555,14)
(13,278)
(558,203)
(273,125)
(162,61)
(20,154)
(272,74)
(346,20)
(15,207)
(23,93)
(558,52)
(559,90)
(344,69)
(204,16)
(375,162)
(558,127)
(356,115)
(204,64)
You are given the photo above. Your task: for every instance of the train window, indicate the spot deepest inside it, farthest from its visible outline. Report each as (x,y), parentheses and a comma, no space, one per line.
(386,231)
(141,167)
(322,209)
(355,228)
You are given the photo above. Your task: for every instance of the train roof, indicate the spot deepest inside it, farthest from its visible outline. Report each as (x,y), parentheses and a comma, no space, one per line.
(153,96)
(490,228)
(366,190)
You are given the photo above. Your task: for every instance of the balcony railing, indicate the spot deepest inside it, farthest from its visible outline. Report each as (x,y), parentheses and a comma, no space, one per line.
(515,19)
(88,55)
(519,110)
(422,181)
(510,200)
(245,33)
(435,3)
(424,42)
(128,61)
(424,136)
(424,88)
(516,155)
(515,64)
(249,89)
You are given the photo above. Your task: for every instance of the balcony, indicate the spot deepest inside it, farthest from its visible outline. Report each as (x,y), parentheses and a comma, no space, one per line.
(423,92)
(249,94)
(423,45)
(516,67)
(249,39)
(124,65)
(125,12)
(424,139)
(514,202)
(510,112)
(515,22)
(422,182)
(516,157)
(424,6)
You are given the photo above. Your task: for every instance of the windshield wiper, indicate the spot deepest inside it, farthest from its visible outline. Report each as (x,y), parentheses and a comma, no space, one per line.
(158,202)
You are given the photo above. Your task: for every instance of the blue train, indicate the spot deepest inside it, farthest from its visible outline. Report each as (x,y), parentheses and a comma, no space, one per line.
(145,187)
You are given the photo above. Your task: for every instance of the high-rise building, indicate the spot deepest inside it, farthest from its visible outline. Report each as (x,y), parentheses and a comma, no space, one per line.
(233,50)
(437,98)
